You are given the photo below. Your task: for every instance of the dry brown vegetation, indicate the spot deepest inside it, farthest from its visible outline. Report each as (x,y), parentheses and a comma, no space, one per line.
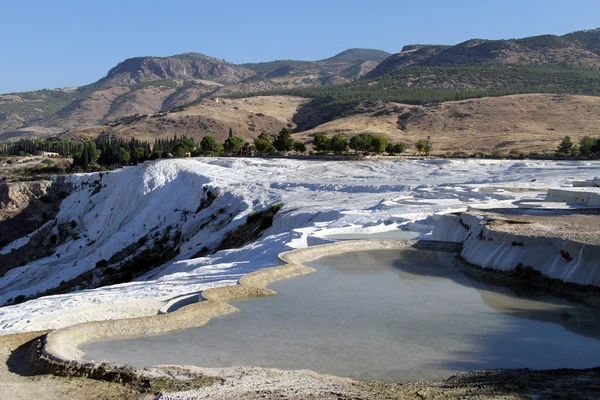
(247,117)
(518,123)
(502,125)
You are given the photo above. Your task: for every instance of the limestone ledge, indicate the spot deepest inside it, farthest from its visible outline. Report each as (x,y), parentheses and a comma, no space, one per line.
(555,258)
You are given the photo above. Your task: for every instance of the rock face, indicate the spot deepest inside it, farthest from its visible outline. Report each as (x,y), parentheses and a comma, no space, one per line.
(184,67)
(26,206)
(357,71)
(18,196)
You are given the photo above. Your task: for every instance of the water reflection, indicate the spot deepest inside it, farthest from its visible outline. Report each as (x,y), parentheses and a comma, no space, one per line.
(516,302)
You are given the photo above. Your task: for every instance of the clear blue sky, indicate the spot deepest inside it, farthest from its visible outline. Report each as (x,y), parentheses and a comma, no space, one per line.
(59,43)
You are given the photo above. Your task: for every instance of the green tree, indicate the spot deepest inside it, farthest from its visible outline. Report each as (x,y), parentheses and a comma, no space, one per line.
(233,145)
(299,147)
(565,147)
(378,144)
(85,160)
(179,150)
(92,152)
(209,145)
(124,156)
(77,159)
(574,151)
(139,155)
(263,144)
(397,148)
(586,146)
(284,142)
(400,147)
(420,145)
(155,155)
(230,132)
(338,144)
(187,144)
(428,147)
(361,142)
(321,142)
(596,147)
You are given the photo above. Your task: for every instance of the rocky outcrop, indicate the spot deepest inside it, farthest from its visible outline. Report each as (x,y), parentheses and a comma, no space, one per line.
(186,66)
(358,70)
(19,195)
(26,206)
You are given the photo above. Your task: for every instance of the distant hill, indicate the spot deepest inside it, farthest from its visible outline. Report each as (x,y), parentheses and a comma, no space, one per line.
(19,109)
(410,55)
(145,85)
(589,39)
(339,65)
(264,68)
(577,49)
(419,74)
(186,66)
(355,55)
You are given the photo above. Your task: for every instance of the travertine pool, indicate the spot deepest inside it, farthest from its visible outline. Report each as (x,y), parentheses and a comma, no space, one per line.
(381,315)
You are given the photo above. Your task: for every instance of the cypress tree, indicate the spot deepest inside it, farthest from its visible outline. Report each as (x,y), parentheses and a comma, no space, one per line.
(85,159)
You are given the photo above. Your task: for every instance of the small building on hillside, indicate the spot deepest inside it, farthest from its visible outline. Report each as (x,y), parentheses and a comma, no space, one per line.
(48,154)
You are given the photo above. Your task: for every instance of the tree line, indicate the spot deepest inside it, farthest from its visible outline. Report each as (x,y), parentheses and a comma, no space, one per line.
(107,152)
(103,152)
(283,143)
(422,85)
(588,147)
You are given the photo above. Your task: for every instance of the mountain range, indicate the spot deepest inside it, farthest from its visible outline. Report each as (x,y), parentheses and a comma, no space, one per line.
(142,87)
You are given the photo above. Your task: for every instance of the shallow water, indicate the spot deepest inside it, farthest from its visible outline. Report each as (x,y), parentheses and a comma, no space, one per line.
(381,315)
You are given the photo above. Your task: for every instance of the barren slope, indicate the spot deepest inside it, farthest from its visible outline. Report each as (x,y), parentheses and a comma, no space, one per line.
(518,123)
(523,123)
(247,117)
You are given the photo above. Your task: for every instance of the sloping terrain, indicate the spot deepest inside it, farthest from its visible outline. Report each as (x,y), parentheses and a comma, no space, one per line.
(146,85)
(419,74)
(348,59)
(113,103)
(518,123)
(410,55)
(246,117)
(577,49)
(19,109)
(178,212)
